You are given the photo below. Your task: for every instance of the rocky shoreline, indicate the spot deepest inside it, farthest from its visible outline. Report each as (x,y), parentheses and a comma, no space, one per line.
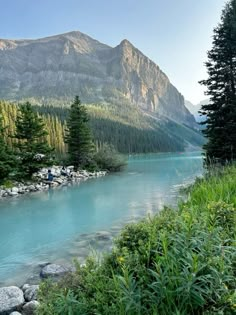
(40,182)
(23,300)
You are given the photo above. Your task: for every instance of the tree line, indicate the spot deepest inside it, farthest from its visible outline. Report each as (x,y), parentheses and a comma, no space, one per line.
(26,145)
(111,128)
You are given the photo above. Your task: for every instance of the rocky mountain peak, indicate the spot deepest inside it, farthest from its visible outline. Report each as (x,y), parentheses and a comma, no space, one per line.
(73,63)
(126,47)
(83,42)
(126,43)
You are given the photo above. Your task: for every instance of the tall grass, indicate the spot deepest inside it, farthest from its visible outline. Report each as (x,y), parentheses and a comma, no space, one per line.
(178,262)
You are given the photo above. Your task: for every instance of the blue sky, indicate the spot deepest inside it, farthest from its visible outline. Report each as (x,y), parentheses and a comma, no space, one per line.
(174,33)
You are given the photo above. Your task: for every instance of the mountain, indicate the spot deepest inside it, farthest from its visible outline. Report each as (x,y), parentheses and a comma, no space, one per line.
(194,109)
(131,102)
(62,66)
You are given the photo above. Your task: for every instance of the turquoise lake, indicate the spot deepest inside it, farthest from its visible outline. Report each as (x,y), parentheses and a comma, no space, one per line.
(61,223)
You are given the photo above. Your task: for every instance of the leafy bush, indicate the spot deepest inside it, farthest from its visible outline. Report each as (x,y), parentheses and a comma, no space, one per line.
(178,262)
(107,158)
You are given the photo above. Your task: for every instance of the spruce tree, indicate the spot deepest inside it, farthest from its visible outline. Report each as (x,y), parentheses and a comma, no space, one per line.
(7,159)
(32,148)
(221,88)
(78,136)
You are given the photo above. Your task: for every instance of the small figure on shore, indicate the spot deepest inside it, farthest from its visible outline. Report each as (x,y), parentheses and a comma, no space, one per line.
(64,171)
(50,176)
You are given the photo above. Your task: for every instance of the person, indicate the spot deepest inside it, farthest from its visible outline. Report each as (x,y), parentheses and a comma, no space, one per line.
(63,171)
(50,176)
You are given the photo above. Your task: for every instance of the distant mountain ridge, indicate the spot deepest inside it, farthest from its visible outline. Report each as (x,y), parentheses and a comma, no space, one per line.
(194,109)
(61,66)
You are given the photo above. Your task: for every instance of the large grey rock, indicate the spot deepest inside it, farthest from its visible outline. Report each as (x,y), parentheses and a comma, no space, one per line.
(15,189)
(30,293)
(54,271)
(59,180)
(11,299)
(15,313)
(31,188)
(25,287)
(30,308)
(13,193)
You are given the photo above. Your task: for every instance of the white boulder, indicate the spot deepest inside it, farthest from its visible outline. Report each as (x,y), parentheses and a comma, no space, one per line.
(11,299)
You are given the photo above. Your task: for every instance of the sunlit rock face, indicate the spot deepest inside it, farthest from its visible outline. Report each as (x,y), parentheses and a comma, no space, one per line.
(62,66)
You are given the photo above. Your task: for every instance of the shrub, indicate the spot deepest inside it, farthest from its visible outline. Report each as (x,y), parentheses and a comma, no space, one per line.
(107,158)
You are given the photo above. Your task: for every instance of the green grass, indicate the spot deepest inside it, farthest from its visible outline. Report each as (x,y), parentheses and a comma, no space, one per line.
(218,185)
(178,262)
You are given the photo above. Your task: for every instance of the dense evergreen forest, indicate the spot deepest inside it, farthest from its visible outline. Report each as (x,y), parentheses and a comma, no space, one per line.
(126,128)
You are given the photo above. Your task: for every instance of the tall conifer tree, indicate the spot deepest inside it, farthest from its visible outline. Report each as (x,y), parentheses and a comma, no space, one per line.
(221,87)
(7,159)
(78,137)
(32,147)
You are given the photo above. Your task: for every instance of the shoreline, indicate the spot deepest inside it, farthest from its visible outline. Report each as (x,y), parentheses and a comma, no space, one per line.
(40,182)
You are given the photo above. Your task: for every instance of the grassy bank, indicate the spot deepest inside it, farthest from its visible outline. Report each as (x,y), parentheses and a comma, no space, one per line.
(179,262)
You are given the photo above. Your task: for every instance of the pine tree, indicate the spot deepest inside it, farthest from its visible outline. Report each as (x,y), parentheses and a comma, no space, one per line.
(221,87)
(32,147)
(7,159)
(78,137)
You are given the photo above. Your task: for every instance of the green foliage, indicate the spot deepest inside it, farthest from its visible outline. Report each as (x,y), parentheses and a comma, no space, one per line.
(32,148)
(54,125)
(178,262)
(124,127)
(7,159)
(128,130)
(78,137)
(221,87)
(107,158)
(7,183)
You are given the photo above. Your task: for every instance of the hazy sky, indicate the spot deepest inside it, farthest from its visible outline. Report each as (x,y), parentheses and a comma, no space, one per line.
(174,33)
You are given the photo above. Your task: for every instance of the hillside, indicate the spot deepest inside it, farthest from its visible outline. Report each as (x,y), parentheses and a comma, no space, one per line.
(194,109)
(123,89)
(139,134)
(62,66)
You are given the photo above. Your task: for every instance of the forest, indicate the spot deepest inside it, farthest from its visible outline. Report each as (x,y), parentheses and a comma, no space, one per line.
(127,129)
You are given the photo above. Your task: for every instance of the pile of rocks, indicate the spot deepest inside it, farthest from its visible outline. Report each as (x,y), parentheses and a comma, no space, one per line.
(23,301)
(41,182)
(14,300)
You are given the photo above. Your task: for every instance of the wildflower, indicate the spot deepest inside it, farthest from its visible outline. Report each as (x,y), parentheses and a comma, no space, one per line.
(120,259)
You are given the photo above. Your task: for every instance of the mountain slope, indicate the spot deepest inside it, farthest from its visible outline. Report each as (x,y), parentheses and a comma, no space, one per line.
(61,66)
(194,109)
(131,102)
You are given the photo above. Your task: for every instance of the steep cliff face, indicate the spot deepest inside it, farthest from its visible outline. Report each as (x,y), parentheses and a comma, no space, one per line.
(145,85)
(65,65)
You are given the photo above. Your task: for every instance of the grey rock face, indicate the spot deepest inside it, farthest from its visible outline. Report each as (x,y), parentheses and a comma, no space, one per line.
(54,271)
(25,287)
(30,308)
(73,63)
(30,292)
(11,299)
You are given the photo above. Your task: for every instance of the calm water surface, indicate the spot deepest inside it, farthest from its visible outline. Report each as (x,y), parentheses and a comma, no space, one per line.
(62,223)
